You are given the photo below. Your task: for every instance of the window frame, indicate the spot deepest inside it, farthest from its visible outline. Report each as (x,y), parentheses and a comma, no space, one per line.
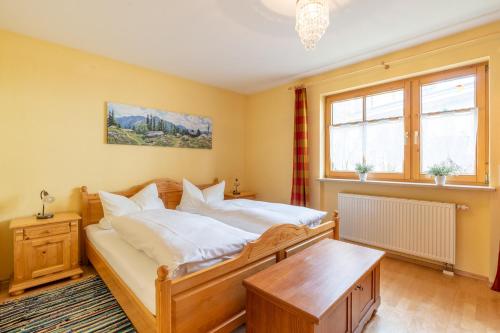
(412,102)
(364,92)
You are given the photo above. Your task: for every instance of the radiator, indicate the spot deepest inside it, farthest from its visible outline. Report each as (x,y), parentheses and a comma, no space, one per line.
(419,228)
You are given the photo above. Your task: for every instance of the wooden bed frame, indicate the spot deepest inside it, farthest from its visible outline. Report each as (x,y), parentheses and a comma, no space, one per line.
(210,300)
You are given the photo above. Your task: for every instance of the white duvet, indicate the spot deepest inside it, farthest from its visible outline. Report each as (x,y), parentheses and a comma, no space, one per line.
(179,239)
(256,216)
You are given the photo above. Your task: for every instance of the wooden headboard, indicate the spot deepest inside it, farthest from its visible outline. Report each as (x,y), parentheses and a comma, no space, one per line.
(169,191)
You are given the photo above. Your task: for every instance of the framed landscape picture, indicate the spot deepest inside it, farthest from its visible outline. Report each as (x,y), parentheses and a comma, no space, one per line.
(134,125)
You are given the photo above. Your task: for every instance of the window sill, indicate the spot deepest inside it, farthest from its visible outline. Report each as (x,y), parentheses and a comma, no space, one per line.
(485,188)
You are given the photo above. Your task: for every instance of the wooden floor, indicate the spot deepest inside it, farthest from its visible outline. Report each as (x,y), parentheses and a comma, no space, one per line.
(416,299)
(421,299)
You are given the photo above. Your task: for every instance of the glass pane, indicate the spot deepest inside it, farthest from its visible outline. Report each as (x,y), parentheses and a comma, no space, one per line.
(347,111)
(385,105)
(385,146)
(346,147)
(449,136)
(455,94)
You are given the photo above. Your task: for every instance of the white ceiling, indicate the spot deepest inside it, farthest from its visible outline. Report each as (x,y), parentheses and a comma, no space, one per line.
(241,45)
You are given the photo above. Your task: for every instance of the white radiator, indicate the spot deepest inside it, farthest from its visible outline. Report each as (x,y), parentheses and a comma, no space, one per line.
(419,228)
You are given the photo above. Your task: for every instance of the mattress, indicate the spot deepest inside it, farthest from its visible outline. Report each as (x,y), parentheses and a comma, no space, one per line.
(136,269)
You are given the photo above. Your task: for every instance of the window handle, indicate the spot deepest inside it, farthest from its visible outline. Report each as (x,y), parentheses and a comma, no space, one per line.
(415,138)
(406,137)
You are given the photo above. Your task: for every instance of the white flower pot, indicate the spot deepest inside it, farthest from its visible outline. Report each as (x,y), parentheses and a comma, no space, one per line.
(363,177)
(440,180)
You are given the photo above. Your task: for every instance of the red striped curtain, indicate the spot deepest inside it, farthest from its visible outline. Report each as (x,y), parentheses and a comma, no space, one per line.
(300,182)
(496,283)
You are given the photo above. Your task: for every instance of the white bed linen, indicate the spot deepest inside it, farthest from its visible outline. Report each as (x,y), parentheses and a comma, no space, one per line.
(257,216)
(180,240)
(134,267)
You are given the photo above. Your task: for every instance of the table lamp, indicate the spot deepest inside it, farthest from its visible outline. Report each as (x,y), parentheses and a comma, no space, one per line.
(46,198)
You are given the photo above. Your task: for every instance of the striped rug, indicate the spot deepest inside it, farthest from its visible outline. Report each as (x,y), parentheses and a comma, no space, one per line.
(85,306)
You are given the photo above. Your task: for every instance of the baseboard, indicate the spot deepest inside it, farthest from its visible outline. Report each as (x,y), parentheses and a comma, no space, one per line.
(423,262)
(472,275)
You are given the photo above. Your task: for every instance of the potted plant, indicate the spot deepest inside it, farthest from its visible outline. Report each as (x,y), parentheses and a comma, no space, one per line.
(441,170)
(362,169)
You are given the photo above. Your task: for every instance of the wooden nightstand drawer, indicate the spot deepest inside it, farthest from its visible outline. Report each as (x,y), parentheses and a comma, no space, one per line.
(46,231)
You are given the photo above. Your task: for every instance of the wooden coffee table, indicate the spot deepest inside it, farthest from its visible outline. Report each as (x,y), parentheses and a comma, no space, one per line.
(330,287)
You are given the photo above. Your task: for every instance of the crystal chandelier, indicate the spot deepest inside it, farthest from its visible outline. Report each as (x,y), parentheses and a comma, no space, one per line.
(312,19)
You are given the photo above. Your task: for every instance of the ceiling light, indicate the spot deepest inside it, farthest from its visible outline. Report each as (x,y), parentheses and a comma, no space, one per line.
(312,19)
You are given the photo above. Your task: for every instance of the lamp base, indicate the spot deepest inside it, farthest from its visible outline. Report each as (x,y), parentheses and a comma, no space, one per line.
(45,216)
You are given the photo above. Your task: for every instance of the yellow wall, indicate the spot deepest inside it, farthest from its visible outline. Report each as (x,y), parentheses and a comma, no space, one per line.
(269,125)
(52,128)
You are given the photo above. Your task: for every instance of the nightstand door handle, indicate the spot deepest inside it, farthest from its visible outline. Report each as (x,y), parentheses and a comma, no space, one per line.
(45,242)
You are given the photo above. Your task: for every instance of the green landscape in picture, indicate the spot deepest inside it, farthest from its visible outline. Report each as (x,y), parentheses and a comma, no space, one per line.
(133,125)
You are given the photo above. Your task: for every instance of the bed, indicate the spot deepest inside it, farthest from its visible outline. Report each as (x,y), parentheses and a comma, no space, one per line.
(209,300)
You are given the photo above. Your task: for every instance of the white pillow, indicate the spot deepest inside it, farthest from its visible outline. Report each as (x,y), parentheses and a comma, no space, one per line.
(193,197)
(118,205)
(214,193)
(148,199)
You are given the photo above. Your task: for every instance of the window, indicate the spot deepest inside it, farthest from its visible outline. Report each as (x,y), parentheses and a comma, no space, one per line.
(404,127)
(368,126)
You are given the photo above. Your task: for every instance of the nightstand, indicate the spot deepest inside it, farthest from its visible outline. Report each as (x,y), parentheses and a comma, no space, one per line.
(242,195)
(44,250)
